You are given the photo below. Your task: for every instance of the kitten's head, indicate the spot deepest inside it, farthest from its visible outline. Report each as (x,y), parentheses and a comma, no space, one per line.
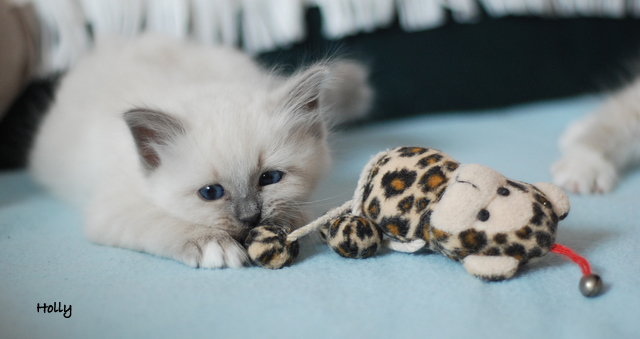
(237,156)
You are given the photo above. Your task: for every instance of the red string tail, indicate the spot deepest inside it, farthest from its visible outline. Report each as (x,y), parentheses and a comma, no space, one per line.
(569,253)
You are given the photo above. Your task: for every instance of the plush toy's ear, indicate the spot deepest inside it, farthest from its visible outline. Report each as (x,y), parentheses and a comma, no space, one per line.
(559,199)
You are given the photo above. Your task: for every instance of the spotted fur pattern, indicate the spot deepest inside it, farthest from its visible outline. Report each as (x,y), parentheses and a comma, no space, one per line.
(268,247)
(405,183)
(402,186)
(352,236)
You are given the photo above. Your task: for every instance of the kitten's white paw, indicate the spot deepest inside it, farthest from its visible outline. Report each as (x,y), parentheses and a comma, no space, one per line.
(215,255)
(214,250)
(584,171)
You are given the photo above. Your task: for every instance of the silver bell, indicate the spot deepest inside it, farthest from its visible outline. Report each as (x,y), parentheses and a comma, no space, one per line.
(590,285)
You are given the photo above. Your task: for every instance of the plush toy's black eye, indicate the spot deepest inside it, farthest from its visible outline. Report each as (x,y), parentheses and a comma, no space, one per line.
(211,192)
(483,215)
(270,177)
(503,191)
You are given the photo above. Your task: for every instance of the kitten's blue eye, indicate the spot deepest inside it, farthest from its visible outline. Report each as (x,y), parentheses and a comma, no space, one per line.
(211,192)
(270,177)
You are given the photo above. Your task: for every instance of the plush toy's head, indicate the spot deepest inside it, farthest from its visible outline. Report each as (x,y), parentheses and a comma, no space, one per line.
(489,214)
(481,198)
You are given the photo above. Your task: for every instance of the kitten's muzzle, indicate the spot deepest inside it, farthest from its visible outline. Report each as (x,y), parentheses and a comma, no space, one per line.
(248,211)
(251,220)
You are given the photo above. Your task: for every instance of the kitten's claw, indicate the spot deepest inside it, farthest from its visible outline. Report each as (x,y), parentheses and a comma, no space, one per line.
(584,171)
(216,250)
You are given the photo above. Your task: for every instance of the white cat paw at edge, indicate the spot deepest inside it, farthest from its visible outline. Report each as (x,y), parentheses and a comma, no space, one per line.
(584,171)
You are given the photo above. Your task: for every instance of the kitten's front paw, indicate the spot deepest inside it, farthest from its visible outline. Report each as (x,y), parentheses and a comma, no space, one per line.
(213,250)
(584,171)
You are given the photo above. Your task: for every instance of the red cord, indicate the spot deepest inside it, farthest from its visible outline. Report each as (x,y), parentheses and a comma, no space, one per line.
(582,262)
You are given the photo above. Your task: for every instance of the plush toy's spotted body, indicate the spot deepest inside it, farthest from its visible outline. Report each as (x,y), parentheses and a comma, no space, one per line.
(402,186)
(403,192)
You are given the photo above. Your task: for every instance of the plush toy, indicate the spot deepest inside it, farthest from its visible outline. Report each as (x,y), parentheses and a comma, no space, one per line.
(422,199)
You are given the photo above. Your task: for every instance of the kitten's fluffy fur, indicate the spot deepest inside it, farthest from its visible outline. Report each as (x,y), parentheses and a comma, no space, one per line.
(195,116)
(598,148)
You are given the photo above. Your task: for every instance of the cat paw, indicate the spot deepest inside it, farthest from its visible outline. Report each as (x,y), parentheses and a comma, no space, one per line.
(213,250)
(584,171)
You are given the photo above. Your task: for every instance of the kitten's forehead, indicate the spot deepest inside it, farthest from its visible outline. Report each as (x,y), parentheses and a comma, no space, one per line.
(231,138)
(238,135)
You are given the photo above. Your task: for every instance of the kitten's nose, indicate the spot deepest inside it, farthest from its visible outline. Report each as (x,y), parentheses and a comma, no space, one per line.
(248,210)
(251,220)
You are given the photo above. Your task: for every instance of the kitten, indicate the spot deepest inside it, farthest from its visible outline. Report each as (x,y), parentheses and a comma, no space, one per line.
(601,146)
(178,150)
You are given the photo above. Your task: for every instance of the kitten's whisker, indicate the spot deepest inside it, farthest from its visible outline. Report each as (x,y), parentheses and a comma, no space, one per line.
(328,199)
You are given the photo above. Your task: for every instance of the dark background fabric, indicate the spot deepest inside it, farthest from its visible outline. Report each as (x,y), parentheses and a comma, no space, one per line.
(18,126)
(491,63)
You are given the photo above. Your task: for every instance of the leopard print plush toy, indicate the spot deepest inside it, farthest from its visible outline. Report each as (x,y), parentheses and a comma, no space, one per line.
(422,199)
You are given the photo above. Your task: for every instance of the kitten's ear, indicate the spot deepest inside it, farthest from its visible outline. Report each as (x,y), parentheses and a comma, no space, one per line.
(304,89)
(337,91)
(303,100)
(151,130)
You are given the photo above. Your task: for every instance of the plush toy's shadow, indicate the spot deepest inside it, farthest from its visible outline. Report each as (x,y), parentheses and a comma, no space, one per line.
(580,241)
(311,246)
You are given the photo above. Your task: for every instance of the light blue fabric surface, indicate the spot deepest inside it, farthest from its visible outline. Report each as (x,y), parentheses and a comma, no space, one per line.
(117,293)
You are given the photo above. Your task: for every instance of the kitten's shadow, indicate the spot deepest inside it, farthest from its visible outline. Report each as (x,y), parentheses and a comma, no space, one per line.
(17,186)
(311,246)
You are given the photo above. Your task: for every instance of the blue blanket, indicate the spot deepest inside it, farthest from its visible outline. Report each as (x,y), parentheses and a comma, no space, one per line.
(117,293)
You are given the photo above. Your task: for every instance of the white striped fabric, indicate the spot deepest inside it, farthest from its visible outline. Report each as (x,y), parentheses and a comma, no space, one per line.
(264,25)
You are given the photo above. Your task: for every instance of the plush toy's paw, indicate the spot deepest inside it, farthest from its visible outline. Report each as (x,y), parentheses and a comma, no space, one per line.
(213,249)
(407,247)
(490,268)
(352,236)
(268,247)
(584,171)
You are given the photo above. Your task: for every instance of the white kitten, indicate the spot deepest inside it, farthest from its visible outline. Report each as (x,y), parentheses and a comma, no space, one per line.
(178,150)
(600,147)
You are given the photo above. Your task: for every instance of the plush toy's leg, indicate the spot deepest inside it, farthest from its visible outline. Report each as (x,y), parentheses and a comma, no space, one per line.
(352,236)
(490,268)
(269,247)
(407,247)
